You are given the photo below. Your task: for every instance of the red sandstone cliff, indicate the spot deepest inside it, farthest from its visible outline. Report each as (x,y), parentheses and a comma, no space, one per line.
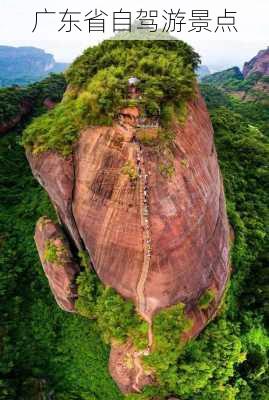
(259,63)
(157,240)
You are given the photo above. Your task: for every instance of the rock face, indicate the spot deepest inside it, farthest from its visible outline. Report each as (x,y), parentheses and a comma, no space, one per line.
(102,208)
(260,64)
(124,371)
(154,223)
(56,175)
(59,266)
(49,104)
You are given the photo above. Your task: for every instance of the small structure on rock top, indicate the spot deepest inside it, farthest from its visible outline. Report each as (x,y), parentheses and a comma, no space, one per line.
(133,91)
(133,81)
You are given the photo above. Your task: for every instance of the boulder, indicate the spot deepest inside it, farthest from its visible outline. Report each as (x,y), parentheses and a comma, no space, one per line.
(58,263)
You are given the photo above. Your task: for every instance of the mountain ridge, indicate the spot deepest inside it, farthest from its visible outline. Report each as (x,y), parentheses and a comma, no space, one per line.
(249,85)
(24,65)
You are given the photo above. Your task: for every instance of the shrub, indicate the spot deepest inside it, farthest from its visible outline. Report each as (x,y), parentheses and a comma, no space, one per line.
(116,317)
(87,293)
(167,170)
(54,254)
(206,299)
(130,170)
(51,252)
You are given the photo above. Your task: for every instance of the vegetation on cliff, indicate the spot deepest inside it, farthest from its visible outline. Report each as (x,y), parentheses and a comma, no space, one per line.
(98,89)
(116,318)
(205,300)
(168,326)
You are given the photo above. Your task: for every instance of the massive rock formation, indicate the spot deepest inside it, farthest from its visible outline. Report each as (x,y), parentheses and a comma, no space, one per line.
(258,64)
(182,218)
(154,223)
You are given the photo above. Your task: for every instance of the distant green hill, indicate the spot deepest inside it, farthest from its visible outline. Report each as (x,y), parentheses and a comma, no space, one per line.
(228,77)
(251,88)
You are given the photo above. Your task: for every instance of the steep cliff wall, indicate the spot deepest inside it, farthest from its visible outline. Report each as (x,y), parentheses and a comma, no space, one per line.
(101,207)
(258,64)
(159,239)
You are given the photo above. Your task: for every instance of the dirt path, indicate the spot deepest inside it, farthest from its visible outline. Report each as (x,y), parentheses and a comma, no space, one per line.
(141,301)
(144,210)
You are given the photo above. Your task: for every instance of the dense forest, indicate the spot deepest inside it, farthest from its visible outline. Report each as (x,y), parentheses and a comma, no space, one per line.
(47,353)
(13,98)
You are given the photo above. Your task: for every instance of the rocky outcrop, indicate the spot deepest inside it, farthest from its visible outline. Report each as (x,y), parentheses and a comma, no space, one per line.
(259,91)
(153,222)
(56,175)
(252,85)
(25,108)
(258,64)
(58,263)
(123,369)
(49,104)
